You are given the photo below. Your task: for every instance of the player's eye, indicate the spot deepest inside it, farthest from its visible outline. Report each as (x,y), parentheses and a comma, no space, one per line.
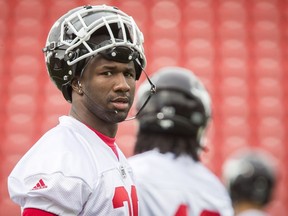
(107,73)
(131,74)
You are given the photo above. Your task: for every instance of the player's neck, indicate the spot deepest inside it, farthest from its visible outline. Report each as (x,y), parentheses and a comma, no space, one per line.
(106,128)
(244,206)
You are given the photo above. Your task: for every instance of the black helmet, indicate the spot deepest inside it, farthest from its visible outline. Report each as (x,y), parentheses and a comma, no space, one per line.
(250,176)
(86,31)
(181,104)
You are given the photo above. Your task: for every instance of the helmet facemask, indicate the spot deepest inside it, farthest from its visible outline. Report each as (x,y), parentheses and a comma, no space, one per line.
(86,32)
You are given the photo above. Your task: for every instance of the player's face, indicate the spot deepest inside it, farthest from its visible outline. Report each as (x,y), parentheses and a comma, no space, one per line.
(109,88)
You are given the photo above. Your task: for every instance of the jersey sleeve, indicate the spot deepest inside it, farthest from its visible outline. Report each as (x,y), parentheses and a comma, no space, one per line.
(53,193)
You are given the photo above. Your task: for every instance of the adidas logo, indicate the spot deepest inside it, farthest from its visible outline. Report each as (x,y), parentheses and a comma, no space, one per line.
(39,185)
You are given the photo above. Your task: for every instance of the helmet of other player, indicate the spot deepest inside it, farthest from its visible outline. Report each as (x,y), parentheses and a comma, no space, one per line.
(85,32)
(180,106)
(250,177)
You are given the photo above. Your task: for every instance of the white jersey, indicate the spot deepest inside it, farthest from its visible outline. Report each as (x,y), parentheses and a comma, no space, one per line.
(252,212)
(71,171)
(169,186)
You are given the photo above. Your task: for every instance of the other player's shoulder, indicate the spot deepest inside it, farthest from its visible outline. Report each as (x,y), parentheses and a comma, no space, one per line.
(145,159)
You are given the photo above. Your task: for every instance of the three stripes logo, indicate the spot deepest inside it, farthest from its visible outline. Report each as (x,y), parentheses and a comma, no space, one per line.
(39,185)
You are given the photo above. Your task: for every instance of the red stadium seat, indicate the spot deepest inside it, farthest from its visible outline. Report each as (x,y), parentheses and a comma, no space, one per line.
(233,143)
(199,48)
(204,69)
(269,106)
(138,10)
(164,32)
(21,103)
(29,9)
(20,112)
(3,36)
(162,11)
(165,48)
(235,126)
(8,163)
(4,11)
(16,143)
(231,29)
(29,27)
(3,32)
(27,45)
(163,25)
(234,106)
(48,121)
(277,207)
(26,64)
(197,28)
(274,146)
(198,10)
(8,206)
(126,144)
(233,86)
(59,8)
(201,66)
(234,48)
(268,67)
(232,10)
(268,87)
(99,2)
(234,67)
(126,136)
(56,104)
(23,84)
(53,106)
(265,29)
(160,62)
(20,123)
(265,10)
(128,127)
(271,127)
(268,49)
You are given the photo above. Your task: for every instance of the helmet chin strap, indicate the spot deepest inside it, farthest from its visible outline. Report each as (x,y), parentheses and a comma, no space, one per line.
(152,91)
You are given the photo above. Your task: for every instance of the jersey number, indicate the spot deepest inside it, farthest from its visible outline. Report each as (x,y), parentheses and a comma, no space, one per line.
(183,211)
(121,196)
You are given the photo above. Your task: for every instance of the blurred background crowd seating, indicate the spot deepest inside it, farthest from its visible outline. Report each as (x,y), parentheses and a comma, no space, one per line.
(239,49)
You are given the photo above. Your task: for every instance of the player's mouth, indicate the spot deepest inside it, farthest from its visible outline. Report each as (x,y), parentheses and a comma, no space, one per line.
(120,103)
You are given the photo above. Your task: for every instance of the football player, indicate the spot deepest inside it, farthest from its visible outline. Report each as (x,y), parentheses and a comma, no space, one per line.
(94,55)
(170,177)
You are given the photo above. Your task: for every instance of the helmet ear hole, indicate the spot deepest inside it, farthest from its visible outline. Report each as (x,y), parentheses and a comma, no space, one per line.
(56,63)
(66,91)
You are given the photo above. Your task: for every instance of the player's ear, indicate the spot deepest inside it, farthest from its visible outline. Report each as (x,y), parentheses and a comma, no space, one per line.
(76,86)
